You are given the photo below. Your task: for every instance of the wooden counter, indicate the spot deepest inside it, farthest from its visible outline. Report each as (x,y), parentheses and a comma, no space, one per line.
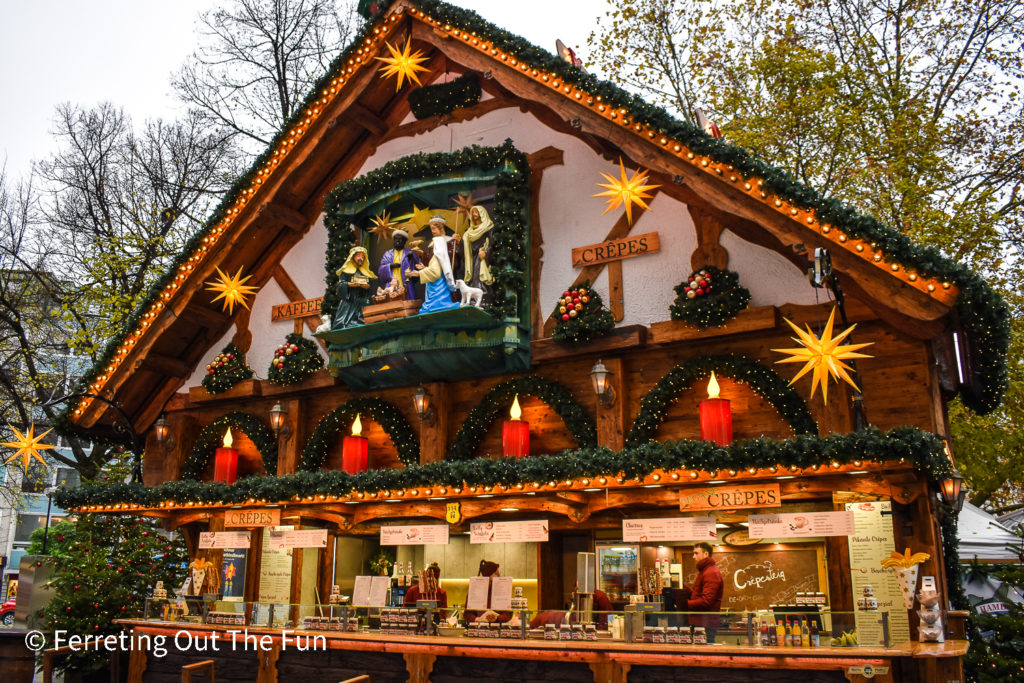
(269,658)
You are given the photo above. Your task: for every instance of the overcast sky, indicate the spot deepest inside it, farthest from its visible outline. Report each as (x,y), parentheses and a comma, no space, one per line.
(124,51)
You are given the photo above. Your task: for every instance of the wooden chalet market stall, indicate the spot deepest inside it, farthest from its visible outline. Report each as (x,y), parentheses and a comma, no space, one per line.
(627,456)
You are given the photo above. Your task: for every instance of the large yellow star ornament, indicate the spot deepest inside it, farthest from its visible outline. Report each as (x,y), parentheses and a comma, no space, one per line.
(232,289)
(626,191)
(28,445)
(402,64)
(824,355)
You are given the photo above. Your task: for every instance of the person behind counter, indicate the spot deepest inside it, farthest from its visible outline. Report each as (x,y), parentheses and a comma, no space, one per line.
(490,570)
(706,593)
(413,594)
(602,606)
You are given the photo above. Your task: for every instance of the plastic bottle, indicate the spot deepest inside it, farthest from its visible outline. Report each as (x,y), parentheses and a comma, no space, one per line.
(815,635)
(765,640)
(805,633)
(797,639)
(780,632)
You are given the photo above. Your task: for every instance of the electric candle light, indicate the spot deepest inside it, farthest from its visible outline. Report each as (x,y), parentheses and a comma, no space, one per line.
(225,462)
(515,433)
(354,449)
(715,416)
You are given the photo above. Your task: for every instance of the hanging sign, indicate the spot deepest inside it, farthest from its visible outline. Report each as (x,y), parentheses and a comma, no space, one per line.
(298,538)
(669,529)
(797,524)
(296,309)
(267,517)
(508,532)
(731,497)
(428,534)
(453,512)
(223,539)
(615,250)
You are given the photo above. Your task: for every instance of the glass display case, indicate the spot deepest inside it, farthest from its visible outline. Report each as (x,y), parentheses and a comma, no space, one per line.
(618,570)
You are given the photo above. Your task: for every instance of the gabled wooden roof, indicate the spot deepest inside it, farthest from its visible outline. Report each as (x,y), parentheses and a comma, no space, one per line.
(351,111)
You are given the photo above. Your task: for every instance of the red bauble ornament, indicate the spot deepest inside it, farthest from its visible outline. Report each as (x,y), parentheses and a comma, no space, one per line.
(565,317)
(566,293)
(700,291)
(231,356)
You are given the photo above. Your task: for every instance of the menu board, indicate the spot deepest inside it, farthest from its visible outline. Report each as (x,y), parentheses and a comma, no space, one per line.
(797,524)
(224,539)
(756,578)
(501,592)
(232,573)
(379,590)
(297,538)
(479,589)
(275,572)
(871,542)
(509,532)
(669,529)
(425,534)
(361,591)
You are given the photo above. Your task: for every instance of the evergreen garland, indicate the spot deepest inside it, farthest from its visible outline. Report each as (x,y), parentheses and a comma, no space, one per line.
(498,400)
(226,370)
(213,434)
(443,98)
(923,449)
(294,361)
(581,316)
(509,251)
(764,381)
(390,419)
(981,309)
(709,297)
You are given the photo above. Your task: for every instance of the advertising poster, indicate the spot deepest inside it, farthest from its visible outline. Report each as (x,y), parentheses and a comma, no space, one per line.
(232,574)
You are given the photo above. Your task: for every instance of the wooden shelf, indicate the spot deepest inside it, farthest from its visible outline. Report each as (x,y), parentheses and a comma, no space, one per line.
(748,320)
(245,389)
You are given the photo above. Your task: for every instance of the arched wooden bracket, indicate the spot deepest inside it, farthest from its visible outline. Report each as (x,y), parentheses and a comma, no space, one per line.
(709,228)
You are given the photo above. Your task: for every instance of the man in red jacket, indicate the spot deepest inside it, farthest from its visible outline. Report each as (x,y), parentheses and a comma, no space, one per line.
(706,592)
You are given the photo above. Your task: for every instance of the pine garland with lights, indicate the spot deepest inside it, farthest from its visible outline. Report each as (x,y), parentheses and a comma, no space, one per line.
(581,316)
(982,310)
(108,566)
(444,98)
(764,381)
(923,449)
(211,437)
(709,297)
(294,361)
(509,247)
(498,400)
(226,370)
(389,417)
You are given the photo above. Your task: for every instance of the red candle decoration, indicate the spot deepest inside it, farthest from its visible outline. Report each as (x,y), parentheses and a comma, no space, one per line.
(515,433)
(715,416)
(225,461)
(354,450)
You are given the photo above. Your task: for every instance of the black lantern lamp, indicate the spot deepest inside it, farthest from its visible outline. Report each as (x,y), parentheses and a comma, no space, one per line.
(279,421)
(600,377)
(952,491)
(421,401)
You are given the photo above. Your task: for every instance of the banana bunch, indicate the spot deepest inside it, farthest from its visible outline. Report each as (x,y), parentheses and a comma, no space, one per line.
(848,639)
(904,560)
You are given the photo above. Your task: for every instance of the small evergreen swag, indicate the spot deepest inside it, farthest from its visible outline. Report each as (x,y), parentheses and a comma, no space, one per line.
(294,361)
(581,316)
(443,98)
(709,297)
(226,370)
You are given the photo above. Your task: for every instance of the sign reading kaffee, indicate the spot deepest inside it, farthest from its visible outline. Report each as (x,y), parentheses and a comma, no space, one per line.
(731,497)
(270,517)
(296,309)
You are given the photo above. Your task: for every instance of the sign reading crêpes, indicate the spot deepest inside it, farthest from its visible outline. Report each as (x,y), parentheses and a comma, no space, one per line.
(296,309)
(731,497)
(615,250)
(268,517)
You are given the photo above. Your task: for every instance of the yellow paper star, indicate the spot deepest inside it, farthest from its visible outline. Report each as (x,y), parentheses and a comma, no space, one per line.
(824,355)
(28,445)
(403,64)
(628,192)
(382,227)
(232,289)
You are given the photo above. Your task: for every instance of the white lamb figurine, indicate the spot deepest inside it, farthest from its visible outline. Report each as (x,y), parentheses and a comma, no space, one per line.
(471,296)
(325,324)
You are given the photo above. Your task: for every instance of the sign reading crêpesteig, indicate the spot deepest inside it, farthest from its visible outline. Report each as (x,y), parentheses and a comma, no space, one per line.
(615,250)
(731,497)
(252,518)
(296,309)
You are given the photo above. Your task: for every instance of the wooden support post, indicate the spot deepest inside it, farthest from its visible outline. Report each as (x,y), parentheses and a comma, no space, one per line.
(709,230)
(267,663)
(616,297)
(136,660)
(419,666)
(611,419)
(325,558)
(289,452)
(434,437)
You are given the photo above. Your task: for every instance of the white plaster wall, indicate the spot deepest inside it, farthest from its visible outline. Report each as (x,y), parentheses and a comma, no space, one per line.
(200,370)
(570,217)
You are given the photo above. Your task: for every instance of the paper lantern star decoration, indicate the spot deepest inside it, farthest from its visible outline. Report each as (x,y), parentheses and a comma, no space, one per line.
(627,191)
(403,64)
(824,355)
(382,227)
(232,289)
(28,445)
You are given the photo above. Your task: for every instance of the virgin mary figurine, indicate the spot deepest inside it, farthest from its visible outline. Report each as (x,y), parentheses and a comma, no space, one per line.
(353,289)
(437,274)
(477,246)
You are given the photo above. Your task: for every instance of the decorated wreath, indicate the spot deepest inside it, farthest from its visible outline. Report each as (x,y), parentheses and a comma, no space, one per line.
(226,370)
(581,316)
(709,297)
(294,360)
